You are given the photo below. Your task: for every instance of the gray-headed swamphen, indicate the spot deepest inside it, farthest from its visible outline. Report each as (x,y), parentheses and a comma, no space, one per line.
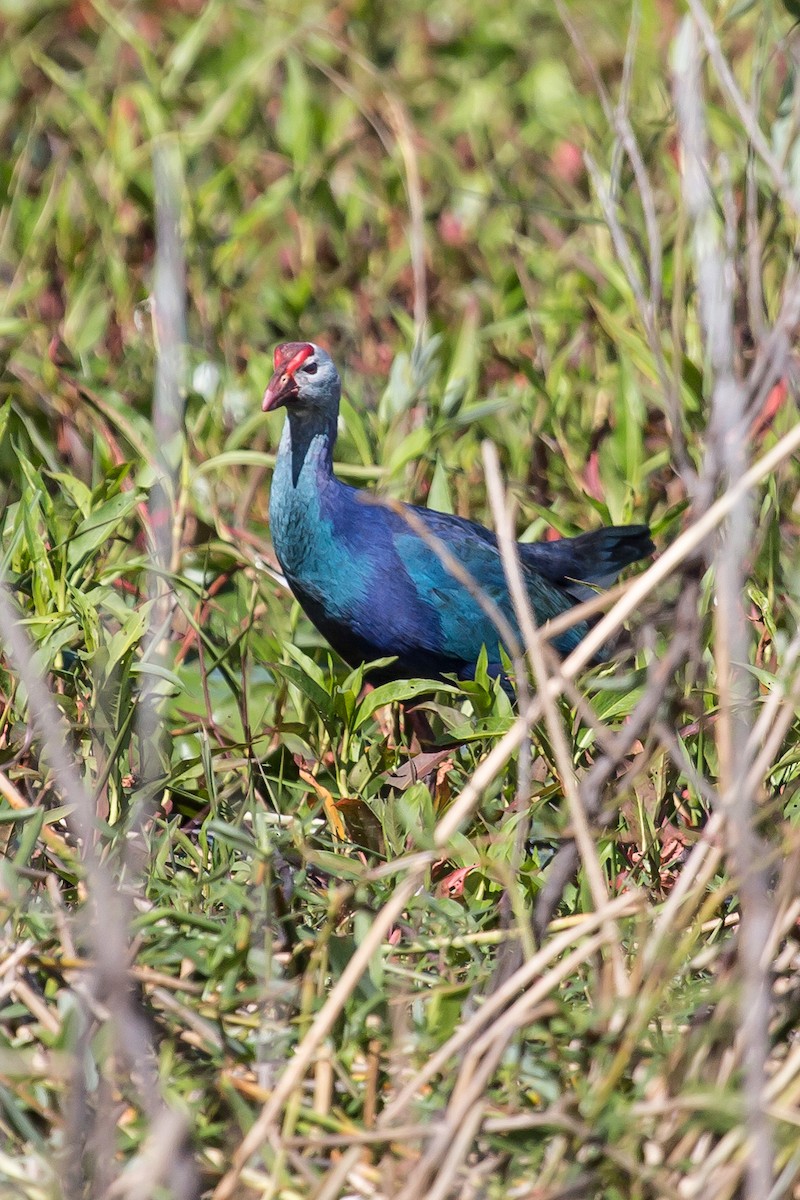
(371,585)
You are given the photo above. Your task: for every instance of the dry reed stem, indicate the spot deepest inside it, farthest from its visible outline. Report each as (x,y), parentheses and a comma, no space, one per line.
(507,545)
(479,1066)
(322,1024)
(726,461)
(456,1145)
(648,303)
(745,112)
(106,917)
(108,996)
(335,1179)
(164,508)
(773,721)
(52,840)
(523,977)
(696,873)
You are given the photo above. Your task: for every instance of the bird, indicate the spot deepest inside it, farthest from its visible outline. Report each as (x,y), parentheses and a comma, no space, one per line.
(372,585)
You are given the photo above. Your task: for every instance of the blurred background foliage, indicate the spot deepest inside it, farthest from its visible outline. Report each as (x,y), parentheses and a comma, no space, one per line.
(406,185)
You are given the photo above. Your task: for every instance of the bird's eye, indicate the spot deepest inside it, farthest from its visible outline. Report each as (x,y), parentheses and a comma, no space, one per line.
(310,368)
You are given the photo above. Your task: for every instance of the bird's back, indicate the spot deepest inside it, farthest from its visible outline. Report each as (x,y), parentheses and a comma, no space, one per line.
(375,587)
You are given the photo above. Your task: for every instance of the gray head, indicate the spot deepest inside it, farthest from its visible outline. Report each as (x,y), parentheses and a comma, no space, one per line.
(305,378)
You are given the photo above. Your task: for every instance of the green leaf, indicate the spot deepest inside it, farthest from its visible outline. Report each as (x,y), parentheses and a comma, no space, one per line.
(78,492)
(462,372)
(413,446)
(309,687)
(439,497)
(158,672)
(294,125)
(401,689)
(307,664)
(100,526)
(126,637)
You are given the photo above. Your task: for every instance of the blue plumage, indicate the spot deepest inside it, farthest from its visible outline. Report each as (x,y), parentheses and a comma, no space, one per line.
(370,584)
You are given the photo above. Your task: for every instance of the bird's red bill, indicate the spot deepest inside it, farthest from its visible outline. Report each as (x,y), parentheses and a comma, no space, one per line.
(283,385)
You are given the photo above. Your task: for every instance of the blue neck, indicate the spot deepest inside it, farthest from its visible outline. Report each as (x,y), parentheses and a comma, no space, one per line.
(303,475)
(307,444)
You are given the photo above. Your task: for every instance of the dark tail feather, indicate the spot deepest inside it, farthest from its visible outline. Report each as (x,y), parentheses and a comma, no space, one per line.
(592,558)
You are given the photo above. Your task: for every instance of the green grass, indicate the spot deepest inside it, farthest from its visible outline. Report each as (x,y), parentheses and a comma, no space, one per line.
(324,155)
